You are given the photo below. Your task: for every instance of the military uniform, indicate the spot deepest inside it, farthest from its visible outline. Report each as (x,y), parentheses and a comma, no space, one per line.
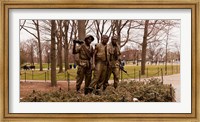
(84,66)
(100,66)
(113,59)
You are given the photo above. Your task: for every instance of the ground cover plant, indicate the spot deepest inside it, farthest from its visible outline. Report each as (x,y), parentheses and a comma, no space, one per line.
(151,90)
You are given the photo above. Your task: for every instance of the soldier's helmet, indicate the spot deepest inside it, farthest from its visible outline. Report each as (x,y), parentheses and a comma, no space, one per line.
(105,37)
(89,36)
(114,38)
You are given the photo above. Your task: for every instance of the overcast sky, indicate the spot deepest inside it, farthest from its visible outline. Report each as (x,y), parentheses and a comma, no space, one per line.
(175,39)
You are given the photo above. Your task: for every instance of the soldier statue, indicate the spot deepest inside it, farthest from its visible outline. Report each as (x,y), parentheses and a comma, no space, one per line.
(114,62)
(99,64)
(85,52)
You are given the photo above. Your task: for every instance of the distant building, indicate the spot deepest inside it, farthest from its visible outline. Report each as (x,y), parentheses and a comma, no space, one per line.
(131,56)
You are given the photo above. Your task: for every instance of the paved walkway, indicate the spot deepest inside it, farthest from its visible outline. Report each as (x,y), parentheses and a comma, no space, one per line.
(169,79)
(175,81)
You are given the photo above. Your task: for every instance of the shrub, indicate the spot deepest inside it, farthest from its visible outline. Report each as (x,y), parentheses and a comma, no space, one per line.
(151,90)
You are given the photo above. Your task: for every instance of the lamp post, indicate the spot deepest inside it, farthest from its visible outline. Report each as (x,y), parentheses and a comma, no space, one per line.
(48,58)
(137,58)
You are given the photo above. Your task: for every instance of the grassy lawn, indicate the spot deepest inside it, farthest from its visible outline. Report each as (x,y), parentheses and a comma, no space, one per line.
(133,72)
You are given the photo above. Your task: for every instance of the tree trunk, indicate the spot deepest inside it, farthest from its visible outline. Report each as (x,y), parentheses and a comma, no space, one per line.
(166,56)
(81,29)
(53,54)
(118,25)
(32,55)
(39,45)
(144,47)
(81,33)
(66,46)
(60,48)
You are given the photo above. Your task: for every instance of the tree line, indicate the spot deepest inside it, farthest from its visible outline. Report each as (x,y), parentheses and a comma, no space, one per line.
(55,37)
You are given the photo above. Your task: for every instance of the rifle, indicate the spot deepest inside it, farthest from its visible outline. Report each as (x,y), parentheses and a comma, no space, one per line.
(121,67)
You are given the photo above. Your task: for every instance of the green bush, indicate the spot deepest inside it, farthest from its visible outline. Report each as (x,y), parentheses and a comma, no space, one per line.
(148,91)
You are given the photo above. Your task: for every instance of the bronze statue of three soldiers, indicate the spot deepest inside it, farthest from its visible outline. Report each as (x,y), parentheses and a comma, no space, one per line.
(105,60)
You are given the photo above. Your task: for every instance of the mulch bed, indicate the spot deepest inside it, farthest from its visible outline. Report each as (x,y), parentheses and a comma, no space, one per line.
(27,87)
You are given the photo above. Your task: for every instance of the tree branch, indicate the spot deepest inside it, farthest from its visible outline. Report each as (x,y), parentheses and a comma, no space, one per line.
(30,33)
(124,24)
(22,25)
(152,28)
(128,34)
(135,42)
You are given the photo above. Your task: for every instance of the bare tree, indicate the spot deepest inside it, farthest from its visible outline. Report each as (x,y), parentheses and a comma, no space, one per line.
(29,49)
(39,44)
(144,46)
(81,29)
(167,42)
(177,46)
(46,50)
(124,42)
(23,53)
(32,55)
(53,53)
(59,38)
(66,44)
(153,51)
(117,29)
(151,29)
(143,32)
(72,35)
(37,36)
(100,29)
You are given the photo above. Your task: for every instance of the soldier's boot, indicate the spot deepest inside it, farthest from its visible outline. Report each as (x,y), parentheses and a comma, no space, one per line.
(86,91)
(104,88)
(97,92)
(90,90)
(78,89)
(115,86)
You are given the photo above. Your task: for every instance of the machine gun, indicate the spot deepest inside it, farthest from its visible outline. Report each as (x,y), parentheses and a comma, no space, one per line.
(78,41)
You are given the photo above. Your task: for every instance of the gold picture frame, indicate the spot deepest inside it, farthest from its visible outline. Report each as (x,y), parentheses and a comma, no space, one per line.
(36,4)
